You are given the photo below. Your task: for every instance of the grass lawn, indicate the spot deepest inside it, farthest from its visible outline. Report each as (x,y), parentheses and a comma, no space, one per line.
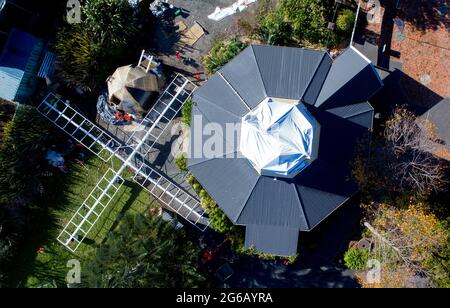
(63,195)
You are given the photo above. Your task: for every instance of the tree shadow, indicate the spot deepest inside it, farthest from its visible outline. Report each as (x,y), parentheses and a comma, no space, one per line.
(425,14)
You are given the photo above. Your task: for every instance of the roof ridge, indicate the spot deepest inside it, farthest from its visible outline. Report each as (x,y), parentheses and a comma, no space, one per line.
(218,106)
(246,200)
(209,159)
(300,201)
(234,90)
(196,106)
(356,113)
(259,69)
(325,53)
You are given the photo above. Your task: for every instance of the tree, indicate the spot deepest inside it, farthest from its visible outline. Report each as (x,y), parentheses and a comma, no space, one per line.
(89,51)
(78,58)
(308,19)
(408,243)
(221,53)
(402,160)
(144,252)
(345,20)
(20,152)
(110,22)
(273,29)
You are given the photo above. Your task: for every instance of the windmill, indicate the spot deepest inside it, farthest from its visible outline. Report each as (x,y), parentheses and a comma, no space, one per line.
(132,155)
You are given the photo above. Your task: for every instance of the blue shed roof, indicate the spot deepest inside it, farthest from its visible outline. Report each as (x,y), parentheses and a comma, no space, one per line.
(18,61)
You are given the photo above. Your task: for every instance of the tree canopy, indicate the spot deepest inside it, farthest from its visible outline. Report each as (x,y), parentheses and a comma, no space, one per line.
(89,51)
(144,252)
(410,244)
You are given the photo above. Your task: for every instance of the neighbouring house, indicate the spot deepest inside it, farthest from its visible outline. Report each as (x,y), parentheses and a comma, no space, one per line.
(20,61)
(439,118)
(287,166)
(14,14)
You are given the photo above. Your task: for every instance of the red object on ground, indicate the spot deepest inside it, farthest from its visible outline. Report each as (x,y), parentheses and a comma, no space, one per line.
(207,256)
(118,116)
(127,117)
(179,57)
(41,250)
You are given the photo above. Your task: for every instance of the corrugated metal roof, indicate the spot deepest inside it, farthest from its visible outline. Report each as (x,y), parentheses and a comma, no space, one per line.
(217,92)
(286,71)
(315,86)
(265,203)
(48,65)
(243,75)
(351,79)
(361,113)
(234,180)
(18,62)
(273,240)
(439,115)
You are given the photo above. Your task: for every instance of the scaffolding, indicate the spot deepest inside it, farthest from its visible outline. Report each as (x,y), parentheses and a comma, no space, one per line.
(98,142)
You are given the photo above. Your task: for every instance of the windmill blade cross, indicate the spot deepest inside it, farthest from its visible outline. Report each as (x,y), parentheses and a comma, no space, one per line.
(99,142)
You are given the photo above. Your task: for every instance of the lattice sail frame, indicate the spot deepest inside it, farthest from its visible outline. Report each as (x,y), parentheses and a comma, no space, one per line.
(104,146)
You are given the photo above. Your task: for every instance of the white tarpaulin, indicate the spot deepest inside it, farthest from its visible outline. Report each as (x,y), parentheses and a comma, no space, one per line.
(238,6)
(279,138)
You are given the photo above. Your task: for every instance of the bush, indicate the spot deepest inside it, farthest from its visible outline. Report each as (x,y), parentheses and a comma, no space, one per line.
(181,162)
(20,153)
(186,112)
(219,221)
(90,50)
(273,29)
(345,20)
(221,53)
(308,19)
(356,259)
(156,255)
(110,22)
(78,59)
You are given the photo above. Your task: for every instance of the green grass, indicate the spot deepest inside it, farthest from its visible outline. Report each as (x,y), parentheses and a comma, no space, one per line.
(64,194)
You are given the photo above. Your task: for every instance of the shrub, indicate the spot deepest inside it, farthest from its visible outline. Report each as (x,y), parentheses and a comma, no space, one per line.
(77,57)
(273,29)
(90,50)
(219,221)
(157,256)
(308,19)
(110,22)
(20,153)
(345,20)
(181,162)
(221,53)
(186,112)
(356,259)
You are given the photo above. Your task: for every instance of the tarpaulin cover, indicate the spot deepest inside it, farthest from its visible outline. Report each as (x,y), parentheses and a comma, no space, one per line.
(278,138)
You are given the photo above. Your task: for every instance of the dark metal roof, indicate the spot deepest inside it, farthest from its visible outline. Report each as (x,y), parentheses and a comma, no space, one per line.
(286,71)
(274,208)
(439,116)
(273,240)
(352,79)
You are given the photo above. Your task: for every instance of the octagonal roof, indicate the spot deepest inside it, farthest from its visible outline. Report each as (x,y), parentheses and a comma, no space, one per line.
(334,92)
(277,137)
